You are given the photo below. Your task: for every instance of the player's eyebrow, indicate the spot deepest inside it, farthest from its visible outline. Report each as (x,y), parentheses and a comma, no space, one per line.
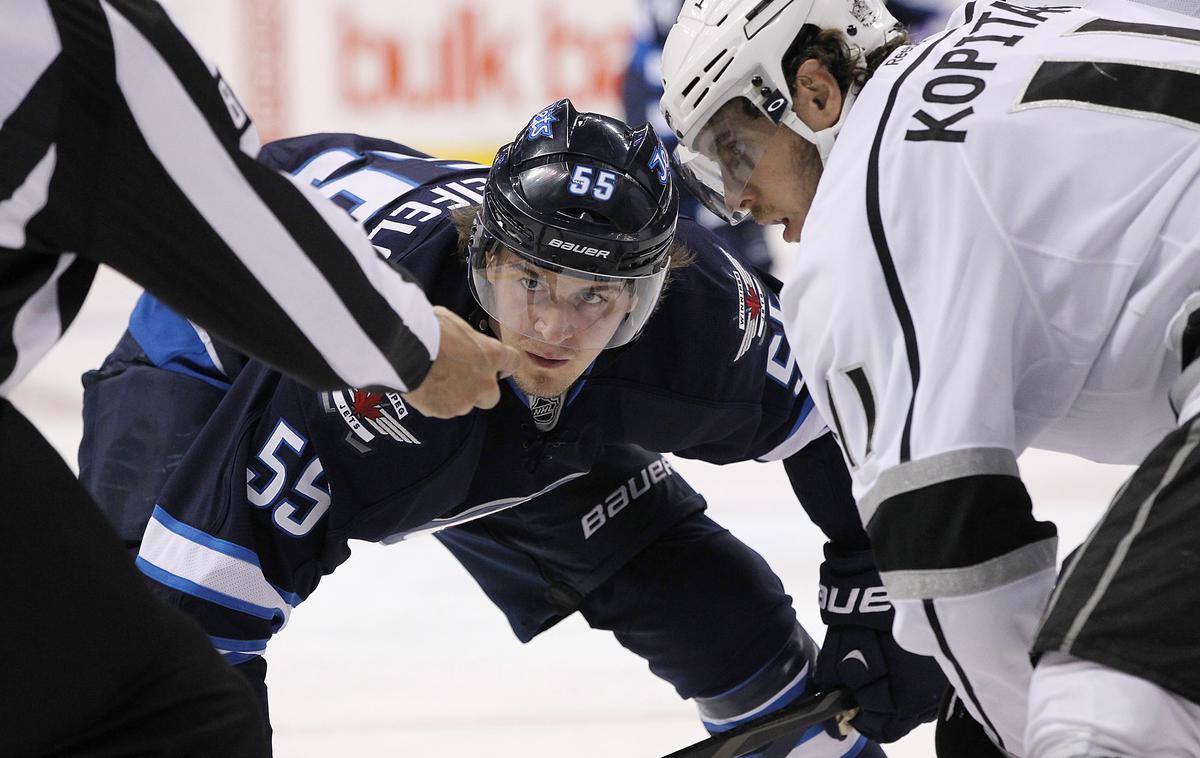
(525,267)
(607,287)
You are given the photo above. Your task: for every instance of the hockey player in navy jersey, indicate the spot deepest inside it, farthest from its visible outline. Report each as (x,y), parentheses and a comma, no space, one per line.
(975,282)
(637,338)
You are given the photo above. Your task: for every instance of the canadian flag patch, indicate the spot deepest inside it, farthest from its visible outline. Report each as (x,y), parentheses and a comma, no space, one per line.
(752,306)
(370,416)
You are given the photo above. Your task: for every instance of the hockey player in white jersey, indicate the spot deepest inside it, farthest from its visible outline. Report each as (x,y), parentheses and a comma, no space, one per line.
(1001,251)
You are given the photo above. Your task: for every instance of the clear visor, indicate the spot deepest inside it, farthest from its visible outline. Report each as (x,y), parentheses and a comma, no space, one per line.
(567,308)
(719,166)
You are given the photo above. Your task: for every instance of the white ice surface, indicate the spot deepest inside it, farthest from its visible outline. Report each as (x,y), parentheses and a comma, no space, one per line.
(399,653)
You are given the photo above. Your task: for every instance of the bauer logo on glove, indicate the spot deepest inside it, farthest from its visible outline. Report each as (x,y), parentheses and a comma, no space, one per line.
(854,600)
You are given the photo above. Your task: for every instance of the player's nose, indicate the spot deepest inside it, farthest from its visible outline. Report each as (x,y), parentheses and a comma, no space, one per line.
(739,199)
(555,323)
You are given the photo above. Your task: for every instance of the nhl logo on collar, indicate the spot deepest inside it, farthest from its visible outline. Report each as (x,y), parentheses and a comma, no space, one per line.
(752,306)
(369,415)
(545,411)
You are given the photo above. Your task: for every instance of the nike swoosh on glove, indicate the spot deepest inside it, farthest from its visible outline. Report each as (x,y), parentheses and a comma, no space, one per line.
(894,689)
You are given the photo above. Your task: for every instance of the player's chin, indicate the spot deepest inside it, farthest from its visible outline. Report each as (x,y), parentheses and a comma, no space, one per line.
(548,381)
(541,383)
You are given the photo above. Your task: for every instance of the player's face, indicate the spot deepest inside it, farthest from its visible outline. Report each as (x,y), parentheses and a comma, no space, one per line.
(558,322)
(765,168)
(781,188)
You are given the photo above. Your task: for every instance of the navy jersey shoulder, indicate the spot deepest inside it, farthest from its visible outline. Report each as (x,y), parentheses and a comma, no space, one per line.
(713,367)
(403,197)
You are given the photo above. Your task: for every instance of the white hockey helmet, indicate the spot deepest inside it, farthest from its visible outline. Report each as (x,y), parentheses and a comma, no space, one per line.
(721,51)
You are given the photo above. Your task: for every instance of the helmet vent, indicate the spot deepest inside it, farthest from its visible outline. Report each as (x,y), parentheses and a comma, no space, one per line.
(757,9)
(687,90)
(716,58)
(696,104)
(717,75)
(585,214)
(762,14)
(723,19)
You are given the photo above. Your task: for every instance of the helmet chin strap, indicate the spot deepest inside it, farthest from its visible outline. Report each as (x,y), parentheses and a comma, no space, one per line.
(823,139)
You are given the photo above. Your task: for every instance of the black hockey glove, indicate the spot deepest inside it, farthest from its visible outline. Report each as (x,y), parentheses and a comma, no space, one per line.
(894,689)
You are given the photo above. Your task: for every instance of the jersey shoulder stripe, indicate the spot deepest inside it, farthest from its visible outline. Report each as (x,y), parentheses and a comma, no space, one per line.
(401,195)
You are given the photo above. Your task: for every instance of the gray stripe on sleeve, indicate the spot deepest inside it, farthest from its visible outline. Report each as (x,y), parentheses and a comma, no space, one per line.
(944,467)
(1122,549)
(972,580)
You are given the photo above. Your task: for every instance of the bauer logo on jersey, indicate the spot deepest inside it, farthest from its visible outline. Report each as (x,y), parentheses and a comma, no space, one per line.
(369,415)
(752,307)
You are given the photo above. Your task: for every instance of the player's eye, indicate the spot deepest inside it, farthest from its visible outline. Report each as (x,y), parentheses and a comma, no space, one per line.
(734,152)
(530,281)
(593,296)
(734,156)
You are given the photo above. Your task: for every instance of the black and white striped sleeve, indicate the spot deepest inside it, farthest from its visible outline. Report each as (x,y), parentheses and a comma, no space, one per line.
(131,150)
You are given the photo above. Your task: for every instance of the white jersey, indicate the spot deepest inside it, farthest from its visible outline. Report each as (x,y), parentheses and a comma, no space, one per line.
(1007,225)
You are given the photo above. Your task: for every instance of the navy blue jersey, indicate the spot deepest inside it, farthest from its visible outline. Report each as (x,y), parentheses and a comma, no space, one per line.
(262,504)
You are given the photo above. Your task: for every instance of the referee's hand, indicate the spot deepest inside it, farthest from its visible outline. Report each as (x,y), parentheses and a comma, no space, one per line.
(466,371)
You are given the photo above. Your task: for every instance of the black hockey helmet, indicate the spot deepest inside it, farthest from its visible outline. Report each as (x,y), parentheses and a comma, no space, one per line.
(586,197)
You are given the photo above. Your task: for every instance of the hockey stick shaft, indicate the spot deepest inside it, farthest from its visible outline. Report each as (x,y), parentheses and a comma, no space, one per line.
(788,721)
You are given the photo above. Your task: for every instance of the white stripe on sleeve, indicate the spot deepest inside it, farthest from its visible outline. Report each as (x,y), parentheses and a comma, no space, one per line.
(27,200)
(809,428)
(196,564)
(37,327)
(31,43)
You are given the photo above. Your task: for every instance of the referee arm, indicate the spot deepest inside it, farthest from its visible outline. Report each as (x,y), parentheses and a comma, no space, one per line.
(148,162)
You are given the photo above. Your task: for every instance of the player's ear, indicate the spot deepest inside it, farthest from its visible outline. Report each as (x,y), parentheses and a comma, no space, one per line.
(818,96)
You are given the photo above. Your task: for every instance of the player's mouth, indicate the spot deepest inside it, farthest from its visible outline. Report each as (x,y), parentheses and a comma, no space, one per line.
(543,361)
(791,231)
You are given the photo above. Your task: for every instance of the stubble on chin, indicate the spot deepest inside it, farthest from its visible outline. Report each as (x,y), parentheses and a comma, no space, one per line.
(540,386)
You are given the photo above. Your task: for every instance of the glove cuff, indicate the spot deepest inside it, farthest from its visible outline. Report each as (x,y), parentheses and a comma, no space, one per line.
(851,591)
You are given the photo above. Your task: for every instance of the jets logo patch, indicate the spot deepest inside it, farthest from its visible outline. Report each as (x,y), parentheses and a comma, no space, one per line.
(370,416)
(541,125)
(752,306)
